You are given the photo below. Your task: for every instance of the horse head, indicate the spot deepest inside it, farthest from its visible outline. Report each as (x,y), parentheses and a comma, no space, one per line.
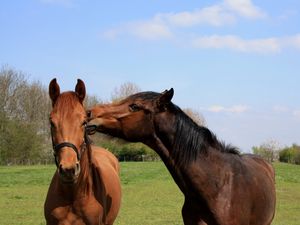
(135,118)
(68,122)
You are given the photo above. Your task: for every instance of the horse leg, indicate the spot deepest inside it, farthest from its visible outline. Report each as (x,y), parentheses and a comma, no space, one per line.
(190,217)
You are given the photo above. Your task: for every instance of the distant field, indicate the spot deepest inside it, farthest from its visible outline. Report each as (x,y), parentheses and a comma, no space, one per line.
(149,195)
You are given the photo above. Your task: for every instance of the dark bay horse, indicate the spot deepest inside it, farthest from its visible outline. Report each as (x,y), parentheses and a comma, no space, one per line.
(221,186)
(85,189)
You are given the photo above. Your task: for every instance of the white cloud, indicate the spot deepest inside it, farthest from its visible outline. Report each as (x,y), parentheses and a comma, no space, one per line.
(149,30)
(245,8)
(216,108)
(168,26)
(291,41)
(232,109)
(267,45)
(281,109)
(235,43)
(296,113)
(161,24)
(214,15)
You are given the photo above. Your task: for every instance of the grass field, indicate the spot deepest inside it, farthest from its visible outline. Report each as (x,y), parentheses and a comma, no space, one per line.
(149,195)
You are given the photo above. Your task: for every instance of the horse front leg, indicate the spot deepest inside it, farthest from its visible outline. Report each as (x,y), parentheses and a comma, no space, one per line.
(190,216)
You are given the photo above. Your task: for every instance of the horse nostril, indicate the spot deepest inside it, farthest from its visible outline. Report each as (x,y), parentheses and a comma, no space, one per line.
(72,171)
(67,172)
(60,169)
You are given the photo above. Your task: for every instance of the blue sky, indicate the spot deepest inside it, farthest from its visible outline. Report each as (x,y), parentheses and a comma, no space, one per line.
(235,61)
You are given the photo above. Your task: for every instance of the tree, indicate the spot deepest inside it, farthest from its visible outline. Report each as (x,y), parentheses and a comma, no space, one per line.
(124,91)
(11,83)
(24,112)
(268,150)
(92,100)
(290,154)
(195,116)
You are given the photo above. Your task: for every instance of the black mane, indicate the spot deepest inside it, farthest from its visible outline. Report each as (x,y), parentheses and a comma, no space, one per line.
(191,139)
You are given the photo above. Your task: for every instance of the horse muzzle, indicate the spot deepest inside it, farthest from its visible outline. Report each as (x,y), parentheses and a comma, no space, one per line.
(69,174)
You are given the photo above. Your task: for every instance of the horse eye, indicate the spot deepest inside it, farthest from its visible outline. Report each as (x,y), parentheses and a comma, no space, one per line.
(89,113)
(134,108)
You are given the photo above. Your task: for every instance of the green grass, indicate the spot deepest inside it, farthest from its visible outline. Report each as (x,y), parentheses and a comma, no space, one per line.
(150,196)
(22,193)
(288,194)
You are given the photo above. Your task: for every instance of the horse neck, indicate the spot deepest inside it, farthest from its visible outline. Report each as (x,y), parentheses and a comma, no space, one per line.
(181,140)
(178,150)
(156,144)
(84,185)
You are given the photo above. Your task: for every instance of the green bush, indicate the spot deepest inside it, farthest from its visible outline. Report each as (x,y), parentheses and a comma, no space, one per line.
(20,143)
(290,154)
(284,155)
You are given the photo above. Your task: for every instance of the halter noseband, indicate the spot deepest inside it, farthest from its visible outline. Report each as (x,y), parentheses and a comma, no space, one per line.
(58,147)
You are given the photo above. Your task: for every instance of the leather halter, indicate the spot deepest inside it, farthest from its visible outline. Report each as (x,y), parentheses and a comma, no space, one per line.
(58,147)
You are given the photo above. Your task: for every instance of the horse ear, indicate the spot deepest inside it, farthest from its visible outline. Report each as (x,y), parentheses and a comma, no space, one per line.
(80,89)
(54,90)
(165,97)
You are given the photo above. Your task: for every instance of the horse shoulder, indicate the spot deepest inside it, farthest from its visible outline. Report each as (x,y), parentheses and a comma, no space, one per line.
(102,156)
(108,183)
(107,167)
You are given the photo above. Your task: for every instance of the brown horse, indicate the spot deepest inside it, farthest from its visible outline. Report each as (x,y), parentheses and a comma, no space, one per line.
(85,189)
(221,186)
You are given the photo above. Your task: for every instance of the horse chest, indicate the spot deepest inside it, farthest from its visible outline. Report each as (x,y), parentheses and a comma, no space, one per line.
(85,211)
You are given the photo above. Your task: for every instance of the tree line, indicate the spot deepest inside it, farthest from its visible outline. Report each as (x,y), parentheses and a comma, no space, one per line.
(24,122)
(271,151)
(25,131)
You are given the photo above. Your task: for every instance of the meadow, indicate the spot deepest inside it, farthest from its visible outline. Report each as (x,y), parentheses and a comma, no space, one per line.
(150,196)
